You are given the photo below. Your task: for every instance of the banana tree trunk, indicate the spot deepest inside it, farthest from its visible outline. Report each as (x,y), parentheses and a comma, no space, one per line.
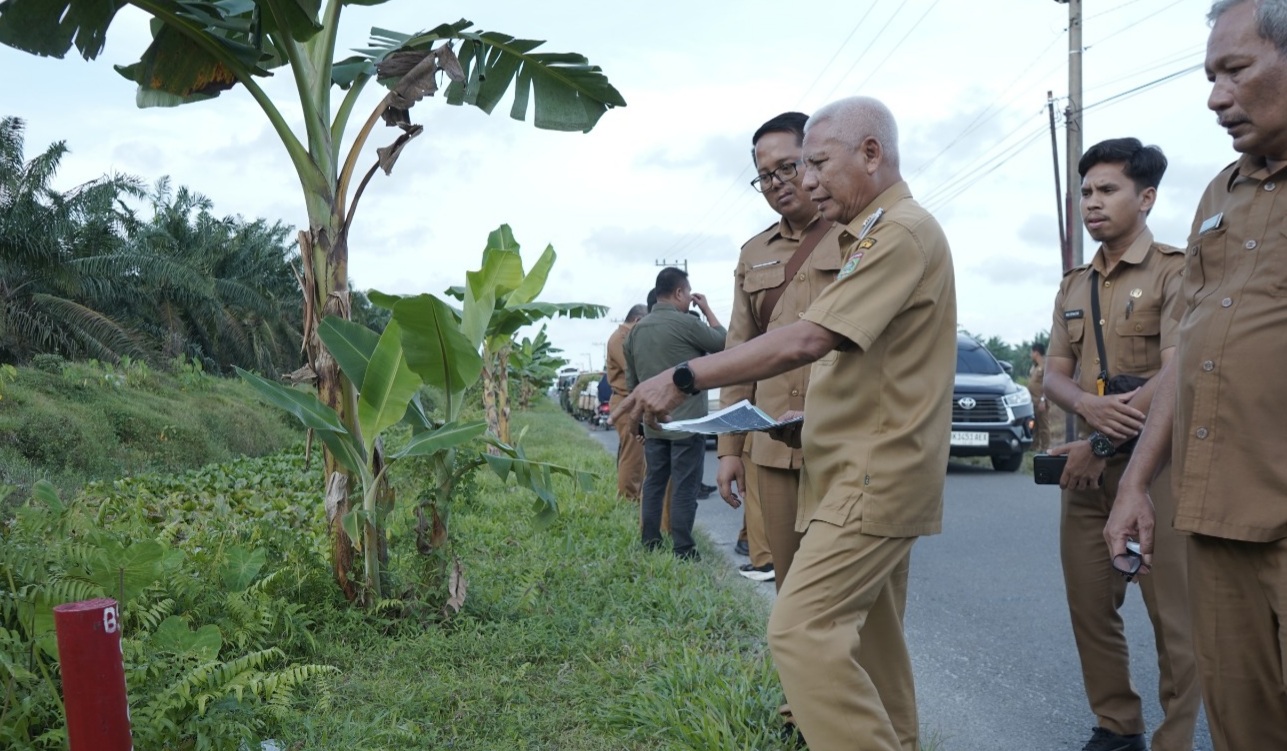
(491,406)
(502,393)
(326,293)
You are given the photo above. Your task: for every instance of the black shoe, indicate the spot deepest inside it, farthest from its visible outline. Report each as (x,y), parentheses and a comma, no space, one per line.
(1107,740)
(741,548)
(757,573)
(704,491)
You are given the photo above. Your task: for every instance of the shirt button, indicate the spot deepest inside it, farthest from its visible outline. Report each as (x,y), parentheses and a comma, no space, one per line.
(800,277)
(1270,186)
(795,392)
(1208,366)
(1250,245)
(1107,283)
(1139,327)
(800,314)
(1226,302)
(1201,433)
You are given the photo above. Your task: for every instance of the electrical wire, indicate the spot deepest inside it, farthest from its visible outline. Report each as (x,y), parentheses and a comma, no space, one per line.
(1132,25)
(896,47)
(865,50)
(1145,86)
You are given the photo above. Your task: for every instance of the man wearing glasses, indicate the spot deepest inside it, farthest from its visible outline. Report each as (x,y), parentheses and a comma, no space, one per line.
(1113,318)
(779,273)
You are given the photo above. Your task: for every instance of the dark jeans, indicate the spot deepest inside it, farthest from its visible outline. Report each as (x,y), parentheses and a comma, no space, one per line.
(680,463)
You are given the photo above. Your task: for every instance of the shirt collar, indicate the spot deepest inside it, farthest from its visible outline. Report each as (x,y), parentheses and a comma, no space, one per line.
(885,201)
(659,305)
(784,229)
(1250,167)
(1134,255)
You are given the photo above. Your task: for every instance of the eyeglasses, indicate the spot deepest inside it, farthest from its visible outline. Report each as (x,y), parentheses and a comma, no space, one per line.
(785,173)
(1130,563)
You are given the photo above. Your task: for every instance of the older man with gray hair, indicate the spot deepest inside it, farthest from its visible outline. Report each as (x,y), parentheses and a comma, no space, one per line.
(1218,416)
(877,418)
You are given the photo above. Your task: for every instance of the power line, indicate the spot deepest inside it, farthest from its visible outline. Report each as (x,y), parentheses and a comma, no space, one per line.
(896,46)
(836,54)
(866,49)
(1131,25)
(1145,86)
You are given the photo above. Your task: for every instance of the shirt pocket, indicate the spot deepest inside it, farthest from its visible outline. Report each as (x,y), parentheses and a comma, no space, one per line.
(1208,245)
(1140,339)
(1273,264)
(838,509)
(759,281)
(1076,329)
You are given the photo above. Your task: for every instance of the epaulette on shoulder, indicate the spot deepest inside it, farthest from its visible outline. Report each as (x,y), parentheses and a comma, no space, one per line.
(771,228)
(1075,269)
(1167,249)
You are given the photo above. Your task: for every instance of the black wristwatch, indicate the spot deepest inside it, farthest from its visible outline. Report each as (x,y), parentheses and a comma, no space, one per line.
(684,380)
(1101,446)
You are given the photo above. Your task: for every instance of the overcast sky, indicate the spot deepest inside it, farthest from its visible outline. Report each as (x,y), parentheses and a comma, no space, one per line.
(666,178)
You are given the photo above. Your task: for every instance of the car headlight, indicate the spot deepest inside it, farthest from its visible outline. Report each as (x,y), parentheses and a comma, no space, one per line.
(1017,398)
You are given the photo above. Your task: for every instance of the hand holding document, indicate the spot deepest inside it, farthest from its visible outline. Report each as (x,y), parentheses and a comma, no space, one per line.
(742,417)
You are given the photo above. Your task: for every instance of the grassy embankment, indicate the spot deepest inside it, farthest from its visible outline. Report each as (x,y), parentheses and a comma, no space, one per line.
(570,638)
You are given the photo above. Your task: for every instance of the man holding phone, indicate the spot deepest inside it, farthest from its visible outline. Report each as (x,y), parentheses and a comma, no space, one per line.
(1113,330)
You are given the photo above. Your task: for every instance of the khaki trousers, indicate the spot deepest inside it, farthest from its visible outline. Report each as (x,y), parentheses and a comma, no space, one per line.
(630,458)
(1239,596)
(836,634)
(1095,594)
(757,539)
(777,491)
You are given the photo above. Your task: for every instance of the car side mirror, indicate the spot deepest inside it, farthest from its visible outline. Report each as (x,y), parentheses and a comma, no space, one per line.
(1006,366)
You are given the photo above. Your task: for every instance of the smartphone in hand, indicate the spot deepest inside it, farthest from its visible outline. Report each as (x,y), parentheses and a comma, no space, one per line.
(1047,469)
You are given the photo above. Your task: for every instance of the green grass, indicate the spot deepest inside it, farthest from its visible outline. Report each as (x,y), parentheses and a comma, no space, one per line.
(570,637)
(71,423)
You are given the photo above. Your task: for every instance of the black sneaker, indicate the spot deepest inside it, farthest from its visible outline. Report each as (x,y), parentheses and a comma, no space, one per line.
(704,491)
(1107,740)
(757,573)
(792,737)
(742,548)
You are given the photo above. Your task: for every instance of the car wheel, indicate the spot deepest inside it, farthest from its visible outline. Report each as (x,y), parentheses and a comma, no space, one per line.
(1007,462)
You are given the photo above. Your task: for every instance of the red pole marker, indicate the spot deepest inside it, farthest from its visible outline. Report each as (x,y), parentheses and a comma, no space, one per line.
(89,655)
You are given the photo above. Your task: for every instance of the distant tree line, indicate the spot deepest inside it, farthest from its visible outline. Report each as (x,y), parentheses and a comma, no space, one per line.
(1018,355)
(85,274)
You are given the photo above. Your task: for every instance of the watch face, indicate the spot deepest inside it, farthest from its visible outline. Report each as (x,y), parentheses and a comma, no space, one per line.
(1101,446)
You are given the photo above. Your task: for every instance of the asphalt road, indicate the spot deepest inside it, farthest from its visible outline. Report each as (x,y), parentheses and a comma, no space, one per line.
(987,623)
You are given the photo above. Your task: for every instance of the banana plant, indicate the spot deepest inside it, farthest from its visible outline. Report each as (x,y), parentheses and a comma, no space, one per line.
(535,363)
(201,48)
(499,299)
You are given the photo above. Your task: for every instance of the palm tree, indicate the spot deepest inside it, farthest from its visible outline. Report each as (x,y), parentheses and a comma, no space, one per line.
(203,47)
(42,233)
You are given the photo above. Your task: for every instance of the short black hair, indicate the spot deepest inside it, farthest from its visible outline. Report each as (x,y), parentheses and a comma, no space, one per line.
(1039,348)
(651,300)
(669,280)
(787,122)
(1144,165)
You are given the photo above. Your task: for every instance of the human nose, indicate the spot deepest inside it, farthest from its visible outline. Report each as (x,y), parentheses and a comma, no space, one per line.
(1220,98)
(809,179)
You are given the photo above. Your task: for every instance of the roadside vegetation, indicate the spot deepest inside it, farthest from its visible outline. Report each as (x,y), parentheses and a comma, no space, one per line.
(567,636)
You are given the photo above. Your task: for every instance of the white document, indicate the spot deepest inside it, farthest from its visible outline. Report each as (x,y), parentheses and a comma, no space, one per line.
(742,417)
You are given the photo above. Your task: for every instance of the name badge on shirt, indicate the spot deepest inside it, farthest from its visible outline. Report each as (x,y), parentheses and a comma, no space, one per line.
(1211,223)
(1072,314)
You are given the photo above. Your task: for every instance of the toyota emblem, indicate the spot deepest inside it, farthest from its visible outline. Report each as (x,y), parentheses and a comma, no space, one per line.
(967,402)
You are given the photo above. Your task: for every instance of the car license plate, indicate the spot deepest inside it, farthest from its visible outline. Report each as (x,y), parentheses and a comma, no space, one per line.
(962,438)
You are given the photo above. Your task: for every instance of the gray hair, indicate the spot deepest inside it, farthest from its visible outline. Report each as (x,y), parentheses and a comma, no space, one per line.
(1271,19)
(860,117)
(635,313)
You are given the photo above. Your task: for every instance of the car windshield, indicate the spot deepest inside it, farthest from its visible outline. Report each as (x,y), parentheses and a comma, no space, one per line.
(976,360)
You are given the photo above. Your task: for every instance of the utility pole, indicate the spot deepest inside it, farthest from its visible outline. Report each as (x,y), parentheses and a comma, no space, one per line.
(1073,123)
(682,263)
(1065,252)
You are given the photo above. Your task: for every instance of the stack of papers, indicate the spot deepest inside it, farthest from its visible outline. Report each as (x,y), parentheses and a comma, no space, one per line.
(742,417)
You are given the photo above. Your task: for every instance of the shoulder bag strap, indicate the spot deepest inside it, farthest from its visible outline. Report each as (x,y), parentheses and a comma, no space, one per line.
(1101,383)
(807,244)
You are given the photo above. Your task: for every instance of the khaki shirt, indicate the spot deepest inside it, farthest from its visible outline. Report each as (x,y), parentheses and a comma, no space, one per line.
(1229,446)
(761,268)
(616,363)
(1136,305)
(1037,383)
(879,411)
(662,339)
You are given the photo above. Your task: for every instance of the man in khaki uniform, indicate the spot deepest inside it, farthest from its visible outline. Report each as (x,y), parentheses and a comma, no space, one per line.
(762,273)
(630,455)
(1136,282)
(1219,415)
(882,338)
(1040,406)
